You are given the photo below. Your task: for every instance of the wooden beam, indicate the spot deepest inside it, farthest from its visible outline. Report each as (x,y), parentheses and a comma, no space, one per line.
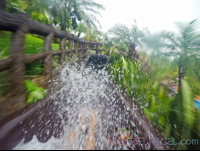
(55,53)
(35,57)
(95,49)
(5,64)
(11,22)
(30,58)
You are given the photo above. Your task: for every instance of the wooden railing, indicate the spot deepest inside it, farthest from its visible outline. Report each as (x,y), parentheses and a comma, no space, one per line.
(20,24)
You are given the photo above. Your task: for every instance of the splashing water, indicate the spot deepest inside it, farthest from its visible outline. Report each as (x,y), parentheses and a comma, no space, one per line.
(84,110)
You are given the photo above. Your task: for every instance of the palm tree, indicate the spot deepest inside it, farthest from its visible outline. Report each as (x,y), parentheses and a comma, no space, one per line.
(80,29)
(67,12)
(38,10)
(125,38)
(183,47)
(13,6)
(88,33)
(62,13)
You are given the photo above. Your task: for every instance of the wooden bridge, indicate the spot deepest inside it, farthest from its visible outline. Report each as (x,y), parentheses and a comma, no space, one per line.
(13,127)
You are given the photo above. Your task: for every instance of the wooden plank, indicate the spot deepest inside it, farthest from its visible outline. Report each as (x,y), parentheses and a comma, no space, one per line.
(56,53)
(95,49)
(35,57)
(94,43)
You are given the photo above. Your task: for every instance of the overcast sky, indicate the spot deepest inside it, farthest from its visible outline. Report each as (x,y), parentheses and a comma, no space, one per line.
(155,14)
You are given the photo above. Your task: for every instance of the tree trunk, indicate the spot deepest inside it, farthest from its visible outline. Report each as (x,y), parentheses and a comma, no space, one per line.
(79,34)
(180,75)
(131,51)
(62,27)
(182,69)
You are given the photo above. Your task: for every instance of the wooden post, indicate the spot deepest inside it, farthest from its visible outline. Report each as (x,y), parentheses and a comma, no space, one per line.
(131,51)
(79,52)
(17,69)
(81,47)
(70,47)
(85,47)
(108,53)
(97,49)
(76,44)
(47,61)
(62,47)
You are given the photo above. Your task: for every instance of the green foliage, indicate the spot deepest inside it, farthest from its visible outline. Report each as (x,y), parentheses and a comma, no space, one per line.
(124,37)
(194,84)
(61,13)
(14,6)
(4,83)
(66,13)
(35,8)
(188,106)
(33,45)
(80,29)
(183,48)
(35,93)
(4,44)
(79,15)
(175,117)
(34,68)
(55,61)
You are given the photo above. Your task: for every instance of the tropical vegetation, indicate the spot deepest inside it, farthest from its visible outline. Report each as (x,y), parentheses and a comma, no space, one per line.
(173,56)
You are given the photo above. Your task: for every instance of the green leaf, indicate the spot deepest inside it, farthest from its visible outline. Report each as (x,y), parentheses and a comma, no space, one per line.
(30,86)
(188,103)
(35,93)
(167,130)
